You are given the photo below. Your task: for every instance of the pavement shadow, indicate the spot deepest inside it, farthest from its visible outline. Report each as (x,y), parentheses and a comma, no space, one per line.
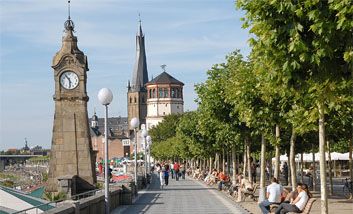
(183,189)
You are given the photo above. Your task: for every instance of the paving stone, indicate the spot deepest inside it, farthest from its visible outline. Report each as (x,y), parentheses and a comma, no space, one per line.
(183,196)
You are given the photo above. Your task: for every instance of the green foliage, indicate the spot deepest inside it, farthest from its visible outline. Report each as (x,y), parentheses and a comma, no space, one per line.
(7,183)
(44,176)
(166,129)
(54,196)
(308,47)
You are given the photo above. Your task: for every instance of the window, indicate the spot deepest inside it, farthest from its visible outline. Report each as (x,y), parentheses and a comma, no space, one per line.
(154,93)
(173,93)
(130,100)
(163,113)
(166,105)
(166,93)
(135,99)
(160,93)
(150,94)
(177,107)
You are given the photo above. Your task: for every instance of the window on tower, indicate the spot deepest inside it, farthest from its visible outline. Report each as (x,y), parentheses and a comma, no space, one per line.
(154,93)
(160,93)
(173,93)
(135,99)
(166,93)
(150,94)
(130,100)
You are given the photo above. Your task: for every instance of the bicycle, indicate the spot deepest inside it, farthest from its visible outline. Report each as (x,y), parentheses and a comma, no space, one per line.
(348,188)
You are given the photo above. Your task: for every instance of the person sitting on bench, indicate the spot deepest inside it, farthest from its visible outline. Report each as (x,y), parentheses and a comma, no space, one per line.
(222,179)
(245,186)
(273,195)
(298,204)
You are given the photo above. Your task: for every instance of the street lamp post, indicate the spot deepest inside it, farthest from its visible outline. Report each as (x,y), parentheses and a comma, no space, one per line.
(105,97)
(135,124)
(144,135)
(148,139)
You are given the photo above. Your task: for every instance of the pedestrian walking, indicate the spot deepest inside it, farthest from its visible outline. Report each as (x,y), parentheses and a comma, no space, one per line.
(160,171)
(176,170)
(166,174)
(172,170)
(183,170)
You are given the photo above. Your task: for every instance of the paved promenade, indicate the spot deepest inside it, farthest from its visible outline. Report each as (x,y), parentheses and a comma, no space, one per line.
(183,196)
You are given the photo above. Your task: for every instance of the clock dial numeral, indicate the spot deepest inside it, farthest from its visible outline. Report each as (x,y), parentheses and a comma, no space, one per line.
(69,80)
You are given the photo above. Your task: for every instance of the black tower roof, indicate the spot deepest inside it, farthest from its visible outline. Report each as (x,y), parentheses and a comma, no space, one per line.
(140,74)
(164,78)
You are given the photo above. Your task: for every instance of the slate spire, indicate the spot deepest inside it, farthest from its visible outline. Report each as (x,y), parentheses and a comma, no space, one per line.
(140,74)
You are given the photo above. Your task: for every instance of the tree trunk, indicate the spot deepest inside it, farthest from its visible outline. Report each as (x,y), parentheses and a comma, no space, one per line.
(223,161)
(324,205)
(330,168)
(234,177)
(262,169)
(301,167)
(334,169)
(237,163)
(350,159)
(289,178)
(314,171)
(292,159)
(244,161)
(248,159)
(217,162)
(229,154)
(210,170)
(277,155)
(270,169)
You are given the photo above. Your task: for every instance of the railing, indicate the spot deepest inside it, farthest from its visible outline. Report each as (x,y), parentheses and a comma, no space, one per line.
(39,208)
(85,194)
(50,205)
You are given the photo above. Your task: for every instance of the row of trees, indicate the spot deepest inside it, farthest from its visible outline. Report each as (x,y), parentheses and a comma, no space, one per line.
(293,93)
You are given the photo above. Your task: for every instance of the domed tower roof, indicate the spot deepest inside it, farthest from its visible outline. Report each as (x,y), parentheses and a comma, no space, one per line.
(164,78)
(94,117)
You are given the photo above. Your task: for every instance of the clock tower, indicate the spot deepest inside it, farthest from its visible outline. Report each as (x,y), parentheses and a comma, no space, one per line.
(72,157)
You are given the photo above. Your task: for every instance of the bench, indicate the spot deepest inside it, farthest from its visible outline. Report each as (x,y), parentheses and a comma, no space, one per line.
(306,210)
(250,193)
(307,207)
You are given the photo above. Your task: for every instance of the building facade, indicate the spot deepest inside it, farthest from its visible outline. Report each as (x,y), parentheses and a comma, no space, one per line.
(164,97)
(118,141)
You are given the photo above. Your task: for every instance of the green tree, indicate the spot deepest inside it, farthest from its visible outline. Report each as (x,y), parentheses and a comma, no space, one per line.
(312,41)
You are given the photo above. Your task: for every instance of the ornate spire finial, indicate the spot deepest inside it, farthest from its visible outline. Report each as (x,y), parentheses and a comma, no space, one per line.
(68,8)
(69,24)
(139,33)
(163,67)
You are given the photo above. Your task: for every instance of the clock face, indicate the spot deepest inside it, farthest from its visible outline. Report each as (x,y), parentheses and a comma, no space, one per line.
(69,80)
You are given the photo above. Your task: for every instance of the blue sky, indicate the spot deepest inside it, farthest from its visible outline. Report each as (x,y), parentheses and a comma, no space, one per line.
(188,36)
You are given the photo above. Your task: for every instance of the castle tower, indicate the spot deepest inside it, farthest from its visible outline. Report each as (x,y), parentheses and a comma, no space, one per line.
(72,157)
(165,96)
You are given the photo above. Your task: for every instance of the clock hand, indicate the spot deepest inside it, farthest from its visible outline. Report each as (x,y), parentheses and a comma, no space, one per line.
(69,80)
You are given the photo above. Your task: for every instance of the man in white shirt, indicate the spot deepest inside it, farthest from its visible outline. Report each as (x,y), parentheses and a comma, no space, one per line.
(172,170)
(273,195)
(298,204)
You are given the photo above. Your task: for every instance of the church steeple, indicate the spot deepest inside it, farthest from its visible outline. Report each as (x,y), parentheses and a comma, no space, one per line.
(140,74)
